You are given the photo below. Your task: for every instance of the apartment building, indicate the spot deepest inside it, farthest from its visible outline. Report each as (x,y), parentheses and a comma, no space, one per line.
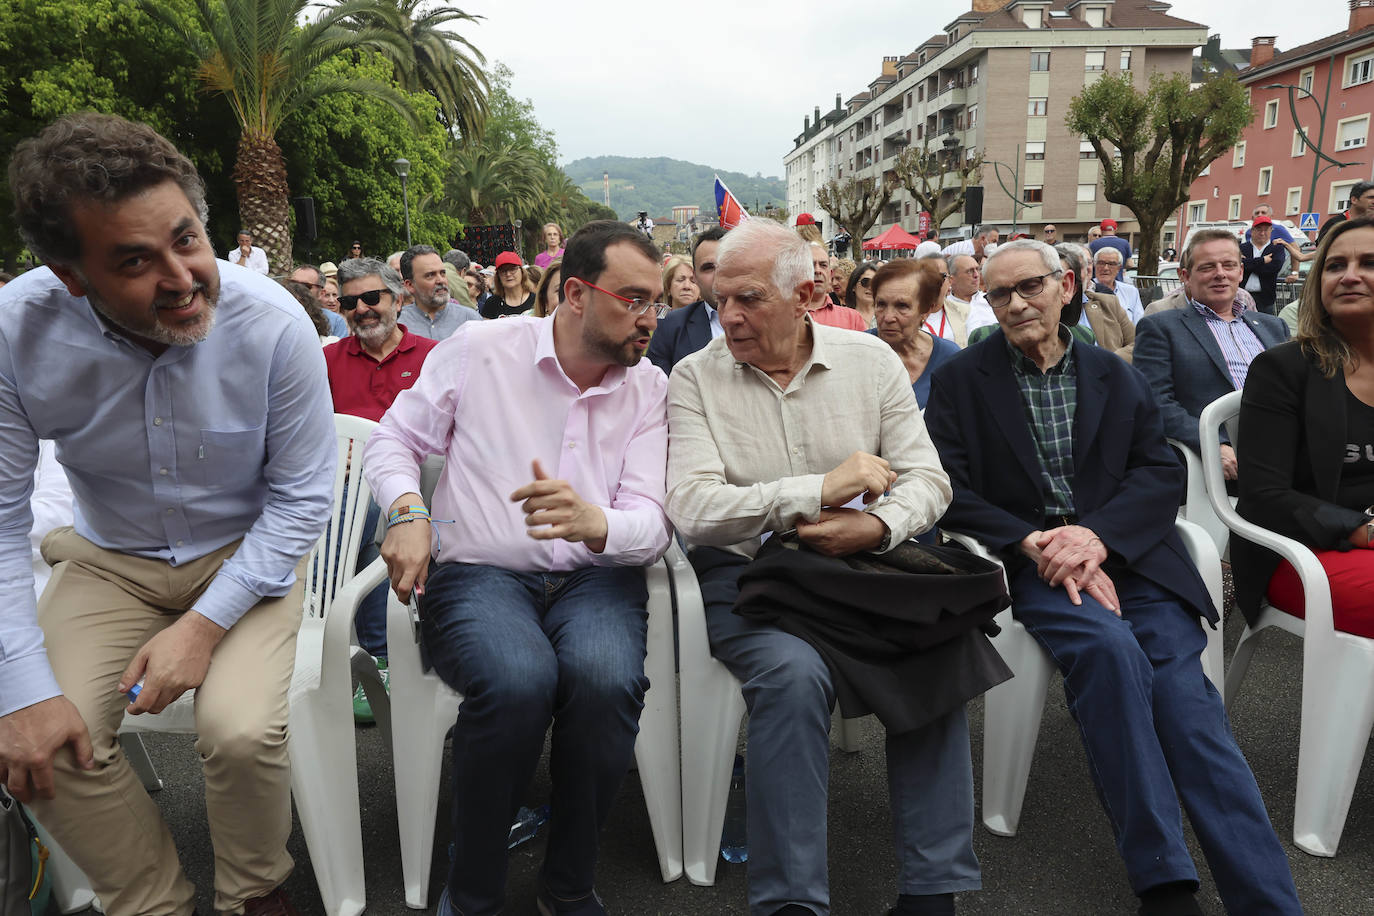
(1275,161)
(999,79)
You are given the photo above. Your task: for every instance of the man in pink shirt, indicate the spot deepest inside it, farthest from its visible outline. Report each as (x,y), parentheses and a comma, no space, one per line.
(821,308)
(555,437)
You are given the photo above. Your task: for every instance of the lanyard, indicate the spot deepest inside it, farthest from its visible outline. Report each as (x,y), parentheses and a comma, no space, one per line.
(932,330)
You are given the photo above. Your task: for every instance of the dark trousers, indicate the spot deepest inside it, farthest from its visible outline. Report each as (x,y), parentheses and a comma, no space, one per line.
(527,649)
(1155,732)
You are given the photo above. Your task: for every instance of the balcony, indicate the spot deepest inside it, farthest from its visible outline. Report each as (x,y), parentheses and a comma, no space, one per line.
(952,95)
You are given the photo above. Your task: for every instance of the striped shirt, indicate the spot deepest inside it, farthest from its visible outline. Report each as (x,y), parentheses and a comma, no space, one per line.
(1051,401)
(1238,341)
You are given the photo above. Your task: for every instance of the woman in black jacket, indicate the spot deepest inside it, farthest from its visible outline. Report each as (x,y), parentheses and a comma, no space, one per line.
(1307,440)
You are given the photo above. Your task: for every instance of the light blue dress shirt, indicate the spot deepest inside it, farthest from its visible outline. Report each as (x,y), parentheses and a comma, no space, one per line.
(171,456)
(337,326)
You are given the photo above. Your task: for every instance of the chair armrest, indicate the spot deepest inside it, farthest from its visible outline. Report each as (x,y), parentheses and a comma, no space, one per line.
(338,617)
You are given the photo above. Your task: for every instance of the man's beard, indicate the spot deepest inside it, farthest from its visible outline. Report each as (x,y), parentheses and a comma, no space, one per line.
(182,335)
(600,344)
(438,298)
(376,335)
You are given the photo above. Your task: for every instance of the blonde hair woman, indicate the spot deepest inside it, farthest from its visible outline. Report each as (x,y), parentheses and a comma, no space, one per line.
(679,283)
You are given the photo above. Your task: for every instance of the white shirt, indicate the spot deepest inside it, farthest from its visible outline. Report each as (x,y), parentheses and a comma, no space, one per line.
(713,316)
(963,246)
(257,258)
(980,314)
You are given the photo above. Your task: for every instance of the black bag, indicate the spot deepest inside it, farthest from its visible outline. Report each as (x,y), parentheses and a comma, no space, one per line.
(23,862)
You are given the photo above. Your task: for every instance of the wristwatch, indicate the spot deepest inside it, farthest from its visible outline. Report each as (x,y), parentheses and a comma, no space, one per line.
(1369,527)
(886,542)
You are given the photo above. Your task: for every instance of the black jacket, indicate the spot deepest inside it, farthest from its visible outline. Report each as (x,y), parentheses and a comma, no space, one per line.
(900,631)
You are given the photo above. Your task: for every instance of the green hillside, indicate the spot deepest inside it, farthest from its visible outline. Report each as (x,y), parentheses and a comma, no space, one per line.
(658,185)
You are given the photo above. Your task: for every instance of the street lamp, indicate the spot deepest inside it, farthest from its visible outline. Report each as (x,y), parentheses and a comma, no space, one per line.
(1318,155)
(402,167)
(1017,204)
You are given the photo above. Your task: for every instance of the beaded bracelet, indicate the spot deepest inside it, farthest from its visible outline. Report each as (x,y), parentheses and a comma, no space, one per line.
(407,517)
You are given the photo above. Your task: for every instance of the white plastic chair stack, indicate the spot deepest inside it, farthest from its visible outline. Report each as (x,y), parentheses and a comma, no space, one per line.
(1013,709)
(424,708)
(324,767)
(1337,668)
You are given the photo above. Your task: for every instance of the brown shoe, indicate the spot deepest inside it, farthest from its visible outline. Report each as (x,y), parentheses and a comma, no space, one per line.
(273,904)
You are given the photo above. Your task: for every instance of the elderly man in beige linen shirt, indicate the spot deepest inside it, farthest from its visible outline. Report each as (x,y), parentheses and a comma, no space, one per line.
(764,426)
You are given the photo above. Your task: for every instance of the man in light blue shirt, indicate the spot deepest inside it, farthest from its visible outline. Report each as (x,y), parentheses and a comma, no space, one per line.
(1107,272)
(190,409)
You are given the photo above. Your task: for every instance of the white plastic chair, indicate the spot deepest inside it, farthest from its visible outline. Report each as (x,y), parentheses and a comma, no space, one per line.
(1337,668)
(1197,506)
(1013,709)
(712,709)
(324,768)
(424,708)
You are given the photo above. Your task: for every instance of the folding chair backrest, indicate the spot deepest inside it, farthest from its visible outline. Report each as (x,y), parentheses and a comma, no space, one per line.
(332,559)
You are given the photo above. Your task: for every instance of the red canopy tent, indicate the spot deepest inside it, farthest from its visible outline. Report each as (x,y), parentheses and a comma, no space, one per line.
(894,239)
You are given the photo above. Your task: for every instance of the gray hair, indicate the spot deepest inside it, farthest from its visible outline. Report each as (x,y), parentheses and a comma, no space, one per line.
(1048,255)
(791,253)
(458,259)
(950,259)
(1106,251)
(360,268)
(319,274)
(1074,257)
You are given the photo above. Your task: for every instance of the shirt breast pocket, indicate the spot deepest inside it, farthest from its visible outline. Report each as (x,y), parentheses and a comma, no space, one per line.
(229,459)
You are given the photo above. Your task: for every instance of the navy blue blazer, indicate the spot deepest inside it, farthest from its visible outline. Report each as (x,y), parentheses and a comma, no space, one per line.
(1126,479)
(680,333)
(1178,355)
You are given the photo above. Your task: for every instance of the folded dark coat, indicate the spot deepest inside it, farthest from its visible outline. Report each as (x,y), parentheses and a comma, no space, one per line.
(901,632)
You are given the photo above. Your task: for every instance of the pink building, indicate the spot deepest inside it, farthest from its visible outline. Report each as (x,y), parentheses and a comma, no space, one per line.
(1273,164)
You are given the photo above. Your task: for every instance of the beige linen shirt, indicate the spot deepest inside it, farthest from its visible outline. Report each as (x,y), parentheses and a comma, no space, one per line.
(746,457)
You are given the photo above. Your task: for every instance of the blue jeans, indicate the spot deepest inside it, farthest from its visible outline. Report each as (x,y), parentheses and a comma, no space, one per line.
(789,694)
(1155,732)
(525,649)
(370,622)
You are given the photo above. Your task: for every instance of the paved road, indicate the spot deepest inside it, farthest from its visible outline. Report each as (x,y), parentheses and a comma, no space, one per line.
(1062,862)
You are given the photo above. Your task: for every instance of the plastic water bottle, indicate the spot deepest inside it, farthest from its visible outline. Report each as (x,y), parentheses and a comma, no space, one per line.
(734,836)
(527,824)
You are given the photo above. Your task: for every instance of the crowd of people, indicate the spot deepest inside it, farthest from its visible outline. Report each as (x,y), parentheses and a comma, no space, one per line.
(798,417)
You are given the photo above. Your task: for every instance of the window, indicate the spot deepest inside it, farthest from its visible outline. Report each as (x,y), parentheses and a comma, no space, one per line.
(1233,209)
(1040,61)
(972,115)
(1197,213)
(1305,80)
(1352,132)
(1037,108)
(908,208)
(1035,149)
(1206,170)
(1095,16)
(1271,113)
(1126,59)
(972,74)
(1032,194)
(1294,201)
(1299,147)
(1094,60)
(1359,70)
(921,93)
(1238,156)
(1266,179)
(1340,196)
(1085,150)
(1087,193)
(908,100)
(1032,17)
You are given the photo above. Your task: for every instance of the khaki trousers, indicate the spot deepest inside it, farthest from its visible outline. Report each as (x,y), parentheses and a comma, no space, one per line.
(99,607)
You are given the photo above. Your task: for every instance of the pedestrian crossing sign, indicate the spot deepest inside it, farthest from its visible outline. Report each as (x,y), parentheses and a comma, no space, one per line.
(1307,222)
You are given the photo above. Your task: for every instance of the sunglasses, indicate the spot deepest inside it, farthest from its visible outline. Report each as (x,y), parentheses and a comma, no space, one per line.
(371,297)
(866,282)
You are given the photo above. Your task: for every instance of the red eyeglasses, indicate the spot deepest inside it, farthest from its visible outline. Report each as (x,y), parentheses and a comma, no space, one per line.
(636,306)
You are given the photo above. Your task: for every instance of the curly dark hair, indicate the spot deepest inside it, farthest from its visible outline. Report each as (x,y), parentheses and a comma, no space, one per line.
(306,298)
(89,157)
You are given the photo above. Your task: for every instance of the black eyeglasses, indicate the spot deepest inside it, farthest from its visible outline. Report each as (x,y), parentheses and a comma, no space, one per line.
(1028,288)
(371,297)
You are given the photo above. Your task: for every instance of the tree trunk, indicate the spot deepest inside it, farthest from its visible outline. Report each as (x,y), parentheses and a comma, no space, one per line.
(260,177)
(1147,254)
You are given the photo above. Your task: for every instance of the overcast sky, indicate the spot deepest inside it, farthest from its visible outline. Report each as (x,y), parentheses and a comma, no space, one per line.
(726,83)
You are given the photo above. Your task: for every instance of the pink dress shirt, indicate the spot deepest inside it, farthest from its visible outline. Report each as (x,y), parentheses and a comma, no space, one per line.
(839,316)
(494,398)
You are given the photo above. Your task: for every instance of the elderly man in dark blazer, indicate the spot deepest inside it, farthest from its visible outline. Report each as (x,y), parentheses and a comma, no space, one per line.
(1193,355)
(684,331)
(1057,459)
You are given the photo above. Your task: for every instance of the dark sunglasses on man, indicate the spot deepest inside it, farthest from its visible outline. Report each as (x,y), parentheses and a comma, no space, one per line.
(370,298)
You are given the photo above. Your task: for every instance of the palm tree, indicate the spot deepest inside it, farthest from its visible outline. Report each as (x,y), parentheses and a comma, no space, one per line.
(269,68)
(489,184)
(434,59)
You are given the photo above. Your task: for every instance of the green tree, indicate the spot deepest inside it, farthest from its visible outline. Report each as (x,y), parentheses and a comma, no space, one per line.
(340,154)
(435,59)
(255,54)
(490,183)
(937,182)
(855,203)
(62,56)
(1153,144)
(511,121)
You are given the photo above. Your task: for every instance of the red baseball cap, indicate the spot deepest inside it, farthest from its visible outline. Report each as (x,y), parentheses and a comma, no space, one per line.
(508,257)
(806,219)
(1109,225)
(1261,221)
